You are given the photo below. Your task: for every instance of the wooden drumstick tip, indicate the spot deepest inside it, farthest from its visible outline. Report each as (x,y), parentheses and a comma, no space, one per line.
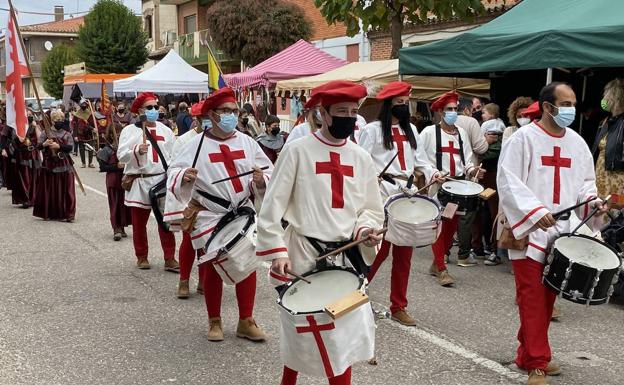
(290,272)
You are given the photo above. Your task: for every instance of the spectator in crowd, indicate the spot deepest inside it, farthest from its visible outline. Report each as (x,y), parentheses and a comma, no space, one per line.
(162,116)
(253,121)
(515,115)
(183,120)
(243,124)
(477,105)
(272,141)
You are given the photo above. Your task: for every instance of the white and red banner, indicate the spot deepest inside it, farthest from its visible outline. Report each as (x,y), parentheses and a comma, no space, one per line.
(15,68)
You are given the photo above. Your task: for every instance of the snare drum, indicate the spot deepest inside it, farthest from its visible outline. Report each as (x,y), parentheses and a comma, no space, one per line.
(582,269)
(231,248)
(311,341)
(461,192)
(157,199)
(412,220)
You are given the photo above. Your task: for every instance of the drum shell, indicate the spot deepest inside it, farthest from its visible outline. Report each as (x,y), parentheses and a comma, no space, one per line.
(464,202)
(581,280)
(157,196)
(238,262)
(402,233)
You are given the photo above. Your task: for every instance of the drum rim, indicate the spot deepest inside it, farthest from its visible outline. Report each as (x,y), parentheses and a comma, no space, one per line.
(461,195)
(287,285)
(238,214)
(562,235)
(396,197)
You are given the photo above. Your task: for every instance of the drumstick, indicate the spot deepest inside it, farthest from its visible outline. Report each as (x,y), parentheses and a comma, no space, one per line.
(350,245)
(238,175)
(388,165)
(475,177)
(560,213)
(591,214)
(288,271)
(430,184)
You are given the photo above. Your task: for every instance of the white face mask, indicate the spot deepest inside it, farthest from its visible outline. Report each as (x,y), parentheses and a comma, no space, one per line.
(523,121)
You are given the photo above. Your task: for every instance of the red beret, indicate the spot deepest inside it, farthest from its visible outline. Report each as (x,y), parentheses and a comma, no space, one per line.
(140,101)
(218,98)
(442,101)
(532,111)
(336,91)
(394,89)
(196,108)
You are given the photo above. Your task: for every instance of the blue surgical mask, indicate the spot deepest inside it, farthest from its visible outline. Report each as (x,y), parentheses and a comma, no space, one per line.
(206,124)
(151,115)
(450,117)
(228,122)
(565,117)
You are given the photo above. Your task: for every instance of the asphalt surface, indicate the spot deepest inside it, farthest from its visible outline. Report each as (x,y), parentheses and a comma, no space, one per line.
(74,310)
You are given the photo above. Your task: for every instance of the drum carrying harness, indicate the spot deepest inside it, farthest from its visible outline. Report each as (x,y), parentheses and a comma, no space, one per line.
(353,254)
(154,191)
(439,147)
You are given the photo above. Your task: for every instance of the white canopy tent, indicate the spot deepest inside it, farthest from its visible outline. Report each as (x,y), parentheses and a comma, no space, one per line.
(171,75)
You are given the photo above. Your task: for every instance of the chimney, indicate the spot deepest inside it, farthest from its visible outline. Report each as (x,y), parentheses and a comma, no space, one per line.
(58,13)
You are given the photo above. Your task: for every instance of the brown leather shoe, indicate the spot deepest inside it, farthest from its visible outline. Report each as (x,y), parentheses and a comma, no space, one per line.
(403,318)
(553,369)
(143,264)
(172,265)
(200,288)
(215,330)
(183,289)
(117,235)
(444,278)
(247,328)
(537,377)
(433,269)
(556,313)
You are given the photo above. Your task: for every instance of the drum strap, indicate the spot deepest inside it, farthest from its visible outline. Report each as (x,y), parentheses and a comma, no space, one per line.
(157,148)
(439,147)
(215,199)
(353,254)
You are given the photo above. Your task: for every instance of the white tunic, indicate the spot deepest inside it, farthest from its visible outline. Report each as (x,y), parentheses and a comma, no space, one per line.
(323,190)
(540,173)
(218,159)
(303,129)
(451,158)
(403,165)
(149,163)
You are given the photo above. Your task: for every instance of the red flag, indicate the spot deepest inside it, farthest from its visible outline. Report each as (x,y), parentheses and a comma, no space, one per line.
(15,68)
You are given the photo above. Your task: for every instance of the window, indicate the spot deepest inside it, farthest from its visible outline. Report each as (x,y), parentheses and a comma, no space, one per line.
(190,24)
(148,25)
(353,53)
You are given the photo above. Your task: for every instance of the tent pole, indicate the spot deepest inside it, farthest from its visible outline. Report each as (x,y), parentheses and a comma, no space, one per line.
(582,101)
(549,73)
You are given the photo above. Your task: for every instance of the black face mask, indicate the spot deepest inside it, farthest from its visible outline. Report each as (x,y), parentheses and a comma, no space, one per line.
(478,115)
(400,111)
(245,121)
(121,110)
(161,115)
(342,127)
(275,131)
(30,119)
(59,125)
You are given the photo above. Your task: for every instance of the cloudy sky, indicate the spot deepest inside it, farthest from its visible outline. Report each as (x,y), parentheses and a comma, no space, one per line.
(47,6)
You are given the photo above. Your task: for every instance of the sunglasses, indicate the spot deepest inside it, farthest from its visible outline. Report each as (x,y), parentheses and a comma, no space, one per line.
(150,107)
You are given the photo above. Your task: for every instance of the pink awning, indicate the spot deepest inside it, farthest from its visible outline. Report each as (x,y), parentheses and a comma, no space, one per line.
(298,60)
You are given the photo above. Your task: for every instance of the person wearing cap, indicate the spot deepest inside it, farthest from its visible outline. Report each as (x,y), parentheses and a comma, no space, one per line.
(345,204)
(272,140)
(143,169)
(313,123)
(172,206)
(222,152)
(84,131)
(452,154)
(392,135)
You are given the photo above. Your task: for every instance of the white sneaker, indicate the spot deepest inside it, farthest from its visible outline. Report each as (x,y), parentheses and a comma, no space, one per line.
(467,262)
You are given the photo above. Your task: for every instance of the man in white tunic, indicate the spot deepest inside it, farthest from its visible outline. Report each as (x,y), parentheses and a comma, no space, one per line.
(392,140)
(454,157)
(224,152)
(326,188)
(544,167)
(137,150)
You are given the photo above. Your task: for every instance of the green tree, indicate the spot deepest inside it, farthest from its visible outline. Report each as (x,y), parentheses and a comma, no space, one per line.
(52,69)
(392,15)
(112,39)
(254,30)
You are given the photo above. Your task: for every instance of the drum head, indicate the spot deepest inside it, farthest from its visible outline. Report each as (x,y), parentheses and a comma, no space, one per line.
(413,210)
(229,232)
(327,286)
(462,187)
(588,252)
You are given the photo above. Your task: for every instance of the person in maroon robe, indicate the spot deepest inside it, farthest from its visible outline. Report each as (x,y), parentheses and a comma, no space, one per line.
(8,159)
(107,158)
(272,141)
(24,163)
(55,197)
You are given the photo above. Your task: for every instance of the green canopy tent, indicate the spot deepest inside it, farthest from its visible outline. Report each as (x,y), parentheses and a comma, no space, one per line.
(535,34)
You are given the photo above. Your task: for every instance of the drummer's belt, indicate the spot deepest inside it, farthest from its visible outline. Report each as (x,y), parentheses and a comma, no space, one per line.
(353,254)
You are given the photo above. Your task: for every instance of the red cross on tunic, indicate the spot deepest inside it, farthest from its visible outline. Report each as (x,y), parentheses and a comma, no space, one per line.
(452,151)
(338,172)
(228,157)
(400,139)
(157,139)
(219,262)
(316,330)
(557,162)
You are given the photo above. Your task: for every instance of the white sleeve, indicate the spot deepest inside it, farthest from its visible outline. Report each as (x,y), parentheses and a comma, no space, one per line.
(260,160)
(128,150)
(477,139)
(367,138)
(588,191)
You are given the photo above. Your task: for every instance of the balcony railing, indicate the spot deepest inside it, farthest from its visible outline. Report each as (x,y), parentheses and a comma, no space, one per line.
(193,48)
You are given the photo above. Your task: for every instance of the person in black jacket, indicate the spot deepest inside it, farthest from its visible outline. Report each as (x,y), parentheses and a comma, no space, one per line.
(183,120)
(608,147)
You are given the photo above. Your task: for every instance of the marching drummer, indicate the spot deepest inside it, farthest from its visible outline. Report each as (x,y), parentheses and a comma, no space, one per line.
(345,205)
(447,148)
(543,168)
(392,142)
(144,169)
(221,152)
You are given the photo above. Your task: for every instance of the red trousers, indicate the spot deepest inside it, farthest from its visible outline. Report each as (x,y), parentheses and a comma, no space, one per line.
(289,377)
(535,304)
(444,242)
(187,257)
(213,291)
(140,217)
(401,265)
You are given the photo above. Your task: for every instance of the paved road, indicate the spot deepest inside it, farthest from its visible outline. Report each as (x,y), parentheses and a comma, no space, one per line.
(75,311)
